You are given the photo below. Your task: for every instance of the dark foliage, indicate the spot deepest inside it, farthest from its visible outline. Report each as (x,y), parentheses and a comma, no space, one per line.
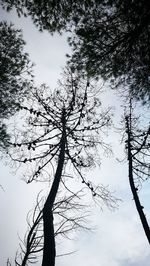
(4,136)
(15,68)
(112,37)
(113,42)
(52,15)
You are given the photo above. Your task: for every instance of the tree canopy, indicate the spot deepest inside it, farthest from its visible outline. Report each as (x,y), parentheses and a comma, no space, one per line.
(15,67)
(51,15)
(15,72)
(111,38)
(113,42)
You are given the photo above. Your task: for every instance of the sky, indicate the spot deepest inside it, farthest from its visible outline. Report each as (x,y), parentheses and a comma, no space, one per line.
(118,238)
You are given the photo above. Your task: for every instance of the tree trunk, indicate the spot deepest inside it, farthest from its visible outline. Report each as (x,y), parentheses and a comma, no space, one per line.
(135,194)
(24,262)
(49,252)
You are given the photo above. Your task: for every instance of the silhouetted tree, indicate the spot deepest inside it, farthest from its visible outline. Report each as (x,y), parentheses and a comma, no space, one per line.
(68,218)
(62,137)
(111,37)
(138,148)
(15,71)
(51,15)
(112,42)
(4,136)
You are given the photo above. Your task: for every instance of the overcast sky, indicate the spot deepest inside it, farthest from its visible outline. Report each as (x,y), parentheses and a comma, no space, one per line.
(118,238)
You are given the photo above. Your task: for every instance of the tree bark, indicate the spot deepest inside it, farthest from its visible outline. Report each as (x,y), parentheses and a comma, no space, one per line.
(49,252)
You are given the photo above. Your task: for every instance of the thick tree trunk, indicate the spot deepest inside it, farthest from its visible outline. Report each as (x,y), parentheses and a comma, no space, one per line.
(49,252)
(135,194)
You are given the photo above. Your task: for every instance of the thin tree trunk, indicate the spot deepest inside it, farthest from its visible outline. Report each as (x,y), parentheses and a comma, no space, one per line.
(24,262)
(134,191)
(49,252)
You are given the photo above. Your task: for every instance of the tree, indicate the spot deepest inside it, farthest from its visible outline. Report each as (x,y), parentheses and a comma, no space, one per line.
(15,71)
(68,218)
(111,38)
(63,132)
(51,15)
(113,42)
(138,149)
(4,136)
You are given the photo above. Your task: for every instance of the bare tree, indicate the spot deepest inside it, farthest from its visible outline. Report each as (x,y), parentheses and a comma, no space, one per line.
(61,138)
(138,148)
(69,217)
